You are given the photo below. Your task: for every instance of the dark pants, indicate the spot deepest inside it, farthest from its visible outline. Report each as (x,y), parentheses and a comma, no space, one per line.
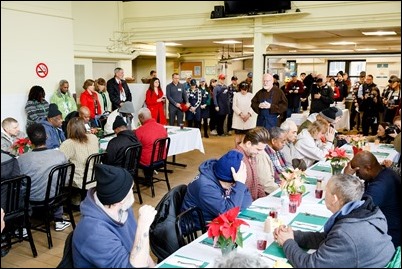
(173,112)
(205,126)
(267,121)
(229,122)
(220,120)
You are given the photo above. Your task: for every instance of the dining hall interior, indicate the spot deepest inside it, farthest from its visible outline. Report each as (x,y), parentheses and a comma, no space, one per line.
(45,42)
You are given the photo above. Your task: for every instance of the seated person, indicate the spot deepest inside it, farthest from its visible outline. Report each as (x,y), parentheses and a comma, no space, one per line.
(126,111)
(309,143)
(107,235)
(289,151)
(9,169)
(10,132)
(116,147)
(148,133)
(54,133)
(383,185)
(37,164)
(219,187)
(241,260)
(355,236)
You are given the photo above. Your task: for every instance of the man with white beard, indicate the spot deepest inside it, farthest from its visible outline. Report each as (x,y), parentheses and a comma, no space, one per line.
(107,235)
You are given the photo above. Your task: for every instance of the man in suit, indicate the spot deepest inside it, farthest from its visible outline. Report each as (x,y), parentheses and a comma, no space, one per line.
(118,89)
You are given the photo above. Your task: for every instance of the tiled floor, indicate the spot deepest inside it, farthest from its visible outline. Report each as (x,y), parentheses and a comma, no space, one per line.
(20,255)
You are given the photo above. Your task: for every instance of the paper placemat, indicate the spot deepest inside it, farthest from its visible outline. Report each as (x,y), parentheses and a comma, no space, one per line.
(275,250)
(308,221)
(380,154)
(253,215)
(386,146)
(321,168)
(278,194)
(311,180)
(178,261)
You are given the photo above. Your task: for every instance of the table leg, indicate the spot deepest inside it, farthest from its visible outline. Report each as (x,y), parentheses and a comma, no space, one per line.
(173,162)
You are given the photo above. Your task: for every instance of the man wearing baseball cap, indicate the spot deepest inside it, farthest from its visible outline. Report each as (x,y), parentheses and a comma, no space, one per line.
(107,235)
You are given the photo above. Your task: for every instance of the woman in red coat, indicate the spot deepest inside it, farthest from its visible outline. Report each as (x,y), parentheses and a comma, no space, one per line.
(155,101)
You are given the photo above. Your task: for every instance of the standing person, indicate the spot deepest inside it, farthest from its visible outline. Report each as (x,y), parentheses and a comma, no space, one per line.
(177,96)
(356,100)
(343,87)
(383,185)
(242,113)
(393,99)
(37,165)
(219,187)
(221,103)
(205,105)
(353,237)
(10,131)
(118,90)
(371,106)
(193,114)
(232,88)
(269,103)
(36,107)
(107,235)
(103,95)
(212,111)
(294,90)
(249,81)
(63,99)
(322,96)
(155,101)
(89,98)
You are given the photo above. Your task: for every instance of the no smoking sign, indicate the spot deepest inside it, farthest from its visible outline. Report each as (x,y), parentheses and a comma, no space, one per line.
(41,70)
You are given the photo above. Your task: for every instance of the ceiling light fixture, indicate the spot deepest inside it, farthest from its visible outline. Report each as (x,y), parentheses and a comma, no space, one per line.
(172,44)
(365,49)
(380,33)
(227,42)
(341,43)
(330,50)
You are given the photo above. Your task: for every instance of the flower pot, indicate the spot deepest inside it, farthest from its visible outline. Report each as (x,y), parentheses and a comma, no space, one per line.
(228,248)
(295,197)
(337,167)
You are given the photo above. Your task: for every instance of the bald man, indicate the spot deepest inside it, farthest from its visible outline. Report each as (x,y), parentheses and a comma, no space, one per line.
(383,185)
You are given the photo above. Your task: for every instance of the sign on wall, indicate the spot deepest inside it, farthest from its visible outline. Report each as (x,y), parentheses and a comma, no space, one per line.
(41,70)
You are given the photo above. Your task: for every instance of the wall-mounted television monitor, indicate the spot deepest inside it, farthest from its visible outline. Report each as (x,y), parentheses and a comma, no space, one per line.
(252,8)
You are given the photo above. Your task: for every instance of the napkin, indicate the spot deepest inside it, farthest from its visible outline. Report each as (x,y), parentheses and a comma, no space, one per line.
(178,261)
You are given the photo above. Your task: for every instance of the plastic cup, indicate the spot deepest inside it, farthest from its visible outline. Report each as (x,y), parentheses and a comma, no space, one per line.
(318,194)
(292,206)
(181,126)
(261,241)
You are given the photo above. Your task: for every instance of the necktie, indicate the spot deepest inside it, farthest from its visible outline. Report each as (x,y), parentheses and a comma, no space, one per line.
(120,87)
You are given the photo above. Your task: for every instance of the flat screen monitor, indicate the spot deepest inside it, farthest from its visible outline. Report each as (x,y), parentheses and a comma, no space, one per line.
(251,8)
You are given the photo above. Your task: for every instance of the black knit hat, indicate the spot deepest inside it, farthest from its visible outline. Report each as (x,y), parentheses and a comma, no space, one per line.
(113,183)
(329,114)
(53,111)
(118,122)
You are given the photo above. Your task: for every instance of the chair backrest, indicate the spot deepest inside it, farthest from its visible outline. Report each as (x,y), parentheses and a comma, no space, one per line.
(131,159)
(60,184)
(89,172)
(396,259)
(186,228)
(15,194)
(163,239)
(67,259)
(160,151)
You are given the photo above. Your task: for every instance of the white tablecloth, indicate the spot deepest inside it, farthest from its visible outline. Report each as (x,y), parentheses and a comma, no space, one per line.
(381,152)
(181,141)
(185,140)
(343,122)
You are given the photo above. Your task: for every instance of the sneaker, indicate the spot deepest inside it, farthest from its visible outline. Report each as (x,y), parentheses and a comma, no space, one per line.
(214,132)
(61,225)
(24,233)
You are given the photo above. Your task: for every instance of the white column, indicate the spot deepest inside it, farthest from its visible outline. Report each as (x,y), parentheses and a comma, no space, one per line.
(161,63)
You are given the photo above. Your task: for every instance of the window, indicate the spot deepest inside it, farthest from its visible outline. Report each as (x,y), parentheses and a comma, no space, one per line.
(352,67)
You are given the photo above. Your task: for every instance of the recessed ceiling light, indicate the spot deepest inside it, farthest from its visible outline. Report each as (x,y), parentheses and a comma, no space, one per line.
(365,49)
(172,44)
(343,43)
(248,46)
(380,33)
(292,51)
(227,42)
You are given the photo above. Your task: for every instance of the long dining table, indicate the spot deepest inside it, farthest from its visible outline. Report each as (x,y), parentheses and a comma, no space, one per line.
(311,215)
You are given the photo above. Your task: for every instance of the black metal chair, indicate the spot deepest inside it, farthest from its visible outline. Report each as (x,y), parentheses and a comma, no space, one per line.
(58,193)
(89,172)
(187,230)
(131,162)
(160,151)
(67,259)
(15,194)
(163,239)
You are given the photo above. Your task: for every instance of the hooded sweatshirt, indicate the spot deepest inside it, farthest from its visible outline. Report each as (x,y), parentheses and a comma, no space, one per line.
(117,147)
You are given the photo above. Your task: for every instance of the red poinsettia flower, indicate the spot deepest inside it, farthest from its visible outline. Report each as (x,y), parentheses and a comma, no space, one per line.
(224,229)
(337,154)
(21,146)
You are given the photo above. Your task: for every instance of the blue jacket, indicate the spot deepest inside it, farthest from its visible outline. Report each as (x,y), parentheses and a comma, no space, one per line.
(54,135)
(99,241)
(356,240)
(206,192)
